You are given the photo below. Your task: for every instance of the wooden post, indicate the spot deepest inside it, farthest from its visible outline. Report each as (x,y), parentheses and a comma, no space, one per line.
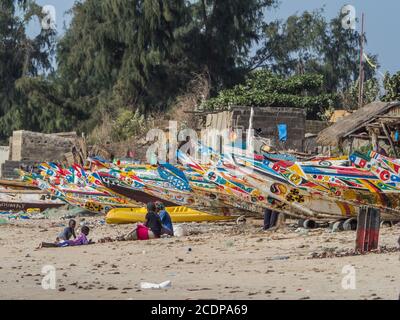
(368,229)
(389,138)
(361,71)
(374,140)
(351,146)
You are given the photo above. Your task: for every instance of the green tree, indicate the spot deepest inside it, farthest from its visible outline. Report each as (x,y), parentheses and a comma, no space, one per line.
(222,35)
(20,58)
(309,44)
(142,53)
(391,84)
(350,97)
(124,54)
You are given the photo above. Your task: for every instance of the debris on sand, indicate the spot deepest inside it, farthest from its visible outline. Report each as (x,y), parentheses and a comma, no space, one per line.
(149,285)
(337,253)
(66,212)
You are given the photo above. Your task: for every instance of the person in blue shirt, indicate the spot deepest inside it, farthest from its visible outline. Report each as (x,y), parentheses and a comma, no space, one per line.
(165,219)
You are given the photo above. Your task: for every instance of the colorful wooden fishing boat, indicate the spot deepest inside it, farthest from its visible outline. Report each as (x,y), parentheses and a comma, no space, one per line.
(233,184)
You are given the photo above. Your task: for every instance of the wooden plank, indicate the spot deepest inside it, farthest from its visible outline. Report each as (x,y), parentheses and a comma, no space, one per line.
(373,125)
(375,223)
(368,226)
(390,140)
(374,141)
(389,117)
(351,146)
(361,227)
(366,137)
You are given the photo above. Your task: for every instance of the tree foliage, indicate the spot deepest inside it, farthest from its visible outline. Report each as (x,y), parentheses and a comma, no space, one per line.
(21,59)
(131,58)
(128,124)
(142,53)
(391,83)
(351,95)
(265,89)
(308,43)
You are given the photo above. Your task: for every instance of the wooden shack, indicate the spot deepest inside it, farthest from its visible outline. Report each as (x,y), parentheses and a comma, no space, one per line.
(376,124)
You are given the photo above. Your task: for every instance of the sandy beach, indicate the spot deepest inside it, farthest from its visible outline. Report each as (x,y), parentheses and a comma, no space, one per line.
(216,261)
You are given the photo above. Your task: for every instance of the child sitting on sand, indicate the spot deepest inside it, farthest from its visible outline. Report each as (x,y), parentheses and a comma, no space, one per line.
(81,240)
(68,232)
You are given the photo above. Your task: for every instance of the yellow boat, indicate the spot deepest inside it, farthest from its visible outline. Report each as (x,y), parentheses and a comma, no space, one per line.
(178,214)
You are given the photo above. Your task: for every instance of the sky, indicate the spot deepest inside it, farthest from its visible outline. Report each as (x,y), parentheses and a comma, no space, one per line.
(381,20)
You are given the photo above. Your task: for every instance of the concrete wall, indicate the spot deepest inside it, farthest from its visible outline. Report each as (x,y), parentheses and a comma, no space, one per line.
(315,126)
(33,146)
(266,119)
(4,155)
(8,168)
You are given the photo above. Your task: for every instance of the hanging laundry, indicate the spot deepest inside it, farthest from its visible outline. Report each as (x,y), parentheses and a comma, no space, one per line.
(282,131)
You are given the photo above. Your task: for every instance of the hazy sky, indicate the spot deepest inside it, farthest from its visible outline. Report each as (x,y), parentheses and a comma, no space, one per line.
(381,22)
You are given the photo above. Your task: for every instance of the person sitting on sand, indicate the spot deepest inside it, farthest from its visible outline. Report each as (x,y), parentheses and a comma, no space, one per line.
(166,221)
(151,229)
(68,232)
(153,221)
(81,240)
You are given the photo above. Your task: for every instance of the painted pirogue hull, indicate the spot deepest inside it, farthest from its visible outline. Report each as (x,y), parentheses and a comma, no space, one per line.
(310,200)
(20,206)
(91,199)
(236,184)
(350,185)
(304,203)
(255,188)
(136,195)
(212,202)
(314,189)
(277,193)
(16,185)
(22,200)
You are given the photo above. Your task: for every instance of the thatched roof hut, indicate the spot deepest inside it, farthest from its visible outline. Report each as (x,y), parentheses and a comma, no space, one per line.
(358,121)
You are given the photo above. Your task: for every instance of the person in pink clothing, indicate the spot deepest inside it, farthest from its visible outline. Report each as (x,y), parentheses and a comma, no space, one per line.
(151,229)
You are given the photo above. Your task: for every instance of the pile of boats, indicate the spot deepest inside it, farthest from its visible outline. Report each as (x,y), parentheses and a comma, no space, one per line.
(231,184)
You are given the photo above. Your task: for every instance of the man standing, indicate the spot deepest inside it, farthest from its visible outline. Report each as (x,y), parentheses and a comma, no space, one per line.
(270,219)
